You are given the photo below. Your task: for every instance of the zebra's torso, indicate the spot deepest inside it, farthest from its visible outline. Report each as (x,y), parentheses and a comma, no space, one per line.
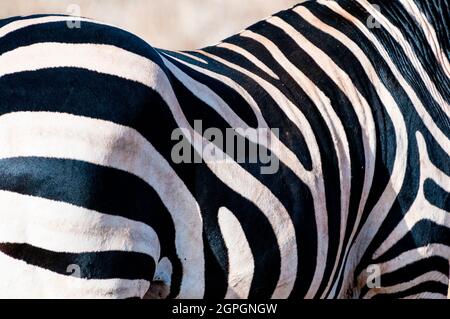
(352,201)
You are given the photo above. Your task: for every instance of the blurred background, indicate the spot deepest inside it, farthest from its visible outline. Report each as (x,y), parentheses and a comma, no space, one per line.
(169,24)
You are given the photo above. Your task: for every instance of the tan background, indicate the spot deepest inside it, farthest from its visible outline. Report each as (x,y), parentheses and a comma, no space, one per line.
(170,24)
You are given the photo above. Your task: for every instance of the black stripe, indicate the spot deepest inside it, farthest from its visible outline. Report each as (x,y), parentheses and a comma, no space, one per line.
(344,109)
(80,92)
(92,265)
(405,67)
(437,11)
(414,270)
(411,271)
(412,121)
(234,100)
(436,195)
(103,189)
(412,32)
(100,188)
(428,286)
(385,134)
(290,189)
(424,233)
(89,32)
(274,119)
(256,227)
(403,202)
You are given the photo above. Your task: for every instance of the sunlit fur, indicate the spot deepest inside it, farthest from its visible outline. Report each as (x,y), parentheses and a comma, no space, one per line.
(93,206)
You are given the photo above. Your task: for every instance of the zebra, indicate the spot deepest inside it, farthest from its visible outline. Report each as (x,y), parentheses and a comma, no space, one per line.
(92,204)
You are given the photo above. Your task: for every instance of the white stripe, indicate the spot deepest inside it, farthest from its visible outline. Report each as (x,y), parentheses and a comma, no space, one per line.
(432,276)
(284,154)
(313,179)
(240,257)
(398,37)
(104,143)
(115,61)
(101,58)
(393,110)
(20,280)
(249,56)
(383,205)
(20,24)
(205,94)
(410,257)
(430,34)
(191,56)
(426,295)
(63,227)
(421,209)
(327,112)
(242,182)
(365,119)
(412,95)
(293,113)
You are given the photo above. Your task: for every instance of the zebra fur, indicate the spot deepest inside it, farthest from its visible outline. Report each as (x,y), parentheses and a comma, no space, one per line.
(93,206)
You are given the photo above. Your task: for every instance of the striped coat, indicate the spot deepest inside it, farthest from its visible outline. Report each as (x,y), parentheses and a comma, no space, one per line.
(93,205)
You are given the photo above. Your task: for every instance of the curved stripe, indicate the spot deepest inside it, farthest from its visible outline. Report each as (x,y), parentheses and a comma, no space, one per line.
(431,37)
(240,257)
(89,265)
(60,135)
(63,227)
(211,98)
(291,112)
(191,56)
(313,179)
(242,182)
(364,114)
(20,280)
(284,154)
(426,295)
(410,257)
(398,37)
(391,106)
(440,137)
(435,276)
(20,24)
(421,209)
(234,176)
(381,209)
(333,122)
(249,56)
